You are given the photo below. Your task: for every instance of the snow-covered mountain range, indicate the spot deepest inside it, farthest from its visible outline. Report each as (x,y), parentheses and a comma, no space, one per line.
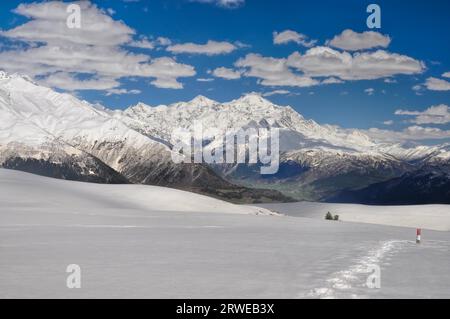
(58,135)
(317,160)
(55,134)
(252,110)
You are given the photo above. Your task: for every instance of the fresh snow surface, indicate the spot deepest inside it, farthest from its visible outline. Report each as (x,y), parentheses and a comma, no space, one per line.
(55,195)
(148,242)
(433,217)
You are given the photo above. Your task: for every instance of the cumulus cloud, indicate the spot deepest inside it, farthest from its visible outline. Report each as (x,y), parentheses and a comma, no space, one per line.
(168,71)
(350,40)
(418,89)
(56,54)
(70,82)
(277,92)
(327,62)
(146,43)
(435,84)
(210,48)
(272,71)
(230,4)
(369,91)
(228,74)
(412,133)
(162,41)
(205,79)
(121,92)
(292,36)
(332,81)
(390,81)
(437,114)
(48,24)
(446,75)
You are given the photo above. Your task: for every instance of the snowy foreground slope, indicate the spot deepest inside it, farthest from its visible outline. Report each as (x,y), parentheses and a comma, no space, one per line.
(149,242)
(432,217)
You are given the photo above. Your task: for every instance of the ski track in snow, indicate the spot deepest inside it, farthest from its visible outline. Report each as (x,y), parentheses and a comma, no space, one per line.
(342,284)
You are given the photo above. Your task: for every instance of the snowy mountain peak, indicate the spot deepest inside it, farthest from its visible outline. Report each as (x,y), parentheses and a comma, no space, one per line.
(36,113)
(65,116)
(253,99)
(16,76)
(140,107)
(203,101)
(248,111)
(19,82)
(25,78)
(4,75)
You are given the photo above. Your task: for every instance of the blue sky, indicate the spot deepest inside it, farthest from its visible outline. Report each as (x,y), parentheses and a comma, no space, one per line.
(417,33)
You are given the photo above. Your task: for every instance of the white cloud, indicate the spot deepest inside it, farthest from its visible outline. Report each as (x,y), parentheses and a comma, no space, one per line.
(205,79)
(143,44)
(226,73)
(168,71)
(48,25)
(70,82)
(55,54)
(352,41)
(163,41)
(390,122)
(418,89)
(272,72)
(390,81)
(332,81)
(435,84)
(369,91)
(446,75)
(277,92)
(242,45)
(121,92)
(412,133)
(292,36)
(327,62)
(437,114)
(210,48)
(146,43)
(230,4)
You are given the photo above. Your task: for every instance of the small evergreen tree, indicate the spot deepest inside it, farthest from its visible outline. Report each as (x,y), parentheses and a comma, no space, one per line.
(329,216)
(336,217)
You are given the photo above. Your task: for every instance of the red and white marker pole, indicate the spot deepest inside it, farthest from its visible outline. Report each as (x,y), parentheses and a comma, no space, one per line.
(419,235)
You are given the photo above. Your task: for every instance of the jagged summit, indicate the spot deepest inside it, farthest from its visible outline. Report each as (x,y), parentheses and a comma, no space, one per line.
(201,100)
(4,75)
(16,77)
(140,107)
(33,113)
(253,98)
(65,115)
(249,110)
